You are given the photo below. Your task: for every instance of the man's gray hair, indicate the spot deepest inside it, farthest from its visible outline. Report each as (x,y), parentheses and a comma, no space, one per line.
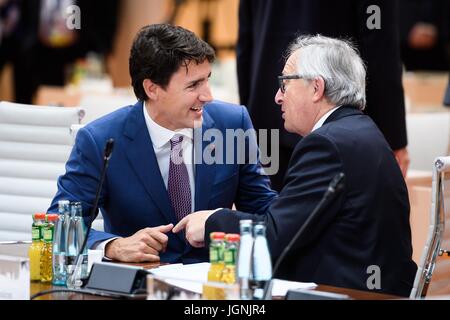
(338,63)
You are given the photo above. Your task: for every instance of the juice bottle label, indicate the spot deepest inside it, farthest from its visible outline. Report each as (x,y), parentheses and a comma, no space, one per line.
(48,235)
(213,255)
(35,233)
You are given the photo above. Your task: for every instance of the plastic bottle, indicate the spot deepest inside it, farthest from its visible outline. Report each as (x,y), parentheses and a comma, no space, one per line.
(216,248)
(81,233)
(244,268)
(230,257)
(34,252)
(72,237)
(262,263)
(59,245)
(47,249)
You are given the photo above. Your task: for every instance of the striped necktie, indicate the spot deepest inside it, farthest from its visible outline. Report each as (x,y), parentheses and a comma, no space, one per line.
(178,185)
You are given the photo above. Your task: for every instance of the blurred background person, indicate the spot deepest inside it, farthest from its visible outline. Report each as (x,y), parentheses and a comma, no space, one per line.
(266,27)
(48,47)
(9,22)
(10,37)
(447,94)
(425,34)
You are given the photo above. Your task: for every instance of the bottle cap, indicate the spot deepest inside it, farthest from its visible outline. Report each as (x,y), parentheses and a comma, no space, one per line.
(259,228)
(217,235)
(232,237)
(260,225)
(52,217)
(39,216)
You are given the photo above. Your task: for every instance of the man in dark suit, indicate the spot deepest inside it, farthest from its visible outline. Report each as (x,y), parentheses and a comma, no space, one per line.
(322,93)
(267,27)
(159,171)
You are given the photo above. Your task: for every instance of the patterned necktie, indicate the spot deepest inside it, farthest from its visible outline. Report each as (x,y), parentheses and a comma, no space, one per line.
(178,185)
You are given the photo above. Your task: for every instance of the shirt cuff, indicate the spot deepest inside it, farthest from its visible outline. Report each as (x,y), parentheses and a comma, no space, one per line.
(102,246)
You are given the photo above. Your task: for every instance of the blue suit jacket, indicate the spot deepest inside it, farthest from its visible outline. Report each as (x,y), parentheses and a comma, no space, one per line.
(134,195)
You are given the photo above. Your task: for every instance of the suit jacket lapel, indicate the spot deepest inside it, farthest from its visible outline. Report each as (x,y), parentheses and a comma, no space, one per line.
(142,157)
(204,173)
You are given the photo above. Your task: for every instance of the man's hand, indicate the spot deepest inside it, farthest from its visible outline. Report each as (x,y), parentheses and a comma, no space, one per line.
(423,36)
(402,157)
(194,224)
(145,245)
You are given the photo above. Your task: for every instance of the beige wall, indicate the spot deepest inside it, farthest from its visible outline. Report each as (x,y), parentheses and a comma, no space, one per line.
(6,93)
(224,15)
(136,13)
(420,202)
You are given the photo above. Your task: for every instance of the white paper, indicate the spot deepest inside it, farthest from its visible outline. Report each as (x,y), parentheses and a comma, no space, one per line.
(192,277)
(14,278)
(281,287)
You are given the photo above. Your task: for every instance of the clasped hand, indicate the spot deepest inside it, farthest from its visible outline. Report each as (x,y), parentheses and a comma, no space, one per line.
(143,246)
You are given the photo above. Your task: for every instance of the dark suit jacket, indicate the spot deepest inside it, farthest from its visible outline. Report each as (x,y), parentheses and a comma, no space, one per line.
(266,28)
(367,225)
(134,195)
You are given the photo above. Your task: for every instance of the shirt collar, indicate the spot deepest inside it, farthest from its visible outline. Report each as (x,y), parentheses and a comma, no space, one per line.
(324,118)
(160,135)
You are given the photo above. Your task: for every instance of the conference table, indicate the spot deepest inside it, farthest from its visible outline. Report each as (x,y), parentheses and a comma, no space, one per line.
(352,293)
(20,249)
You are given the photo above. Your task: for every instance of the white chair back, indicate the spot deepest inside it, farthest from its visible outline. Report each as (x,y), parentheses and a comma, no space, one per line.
(35,143)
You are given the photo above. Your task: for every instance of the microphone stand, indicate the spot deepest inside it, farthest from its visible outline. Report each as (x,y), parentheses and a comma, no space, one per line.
(334,188)
(74,280)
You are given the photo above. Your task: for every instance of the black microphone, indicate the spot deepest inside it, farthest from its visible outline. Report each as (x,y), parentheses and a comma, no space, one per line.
(334,189)
(106,156)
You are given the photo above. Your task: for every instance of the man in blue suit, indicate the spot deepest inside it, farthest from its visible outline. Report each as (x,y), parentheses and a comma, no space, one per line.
(321,95)
(157,173)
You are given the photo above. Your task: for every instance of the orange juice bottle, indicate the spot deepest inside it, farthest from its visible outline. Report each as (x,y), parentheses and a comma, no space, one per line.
(47,249)
(216,249)
(230,258)
(34,252)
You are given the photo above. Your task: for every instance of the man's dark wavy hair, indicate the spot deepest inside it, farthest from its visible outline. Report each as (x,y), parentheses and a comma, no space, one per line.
(159,50)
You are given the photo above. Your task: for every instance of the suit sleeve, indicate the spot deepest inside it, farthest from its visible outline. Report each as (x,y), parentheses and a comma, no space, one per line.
(380,50)
(80,181)
(244,50)
(314,164)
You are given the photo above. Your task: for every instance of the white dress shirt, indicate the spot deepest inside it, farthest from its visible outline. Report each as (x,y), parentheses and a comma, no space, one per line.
(160,137)
(324,118)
